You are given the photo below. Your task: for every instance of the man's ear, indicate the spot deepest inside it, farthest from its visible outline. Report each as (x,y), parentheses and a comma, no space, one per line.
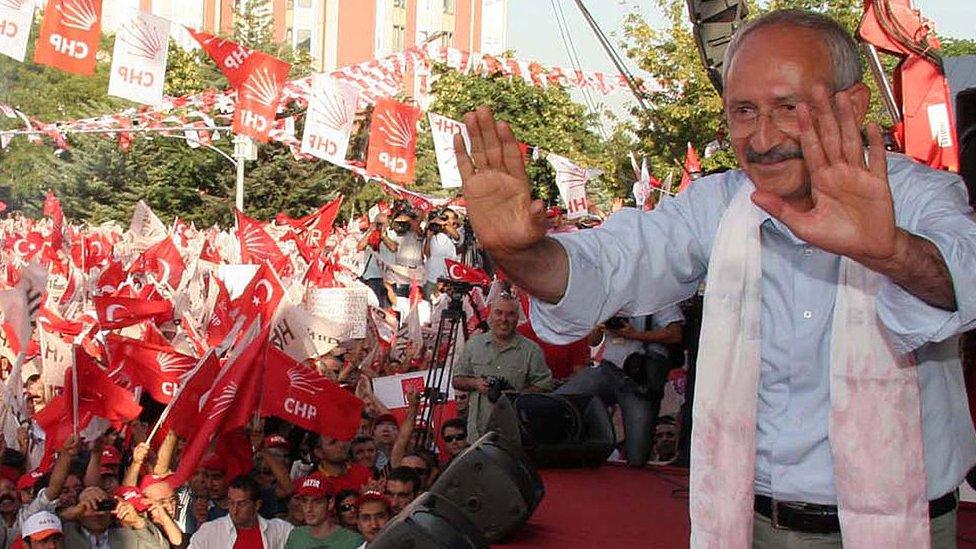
(861,101)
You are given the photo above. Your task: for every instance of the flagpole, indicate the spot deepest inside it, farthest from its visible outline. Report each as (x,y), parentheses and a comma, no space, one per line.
(74,395)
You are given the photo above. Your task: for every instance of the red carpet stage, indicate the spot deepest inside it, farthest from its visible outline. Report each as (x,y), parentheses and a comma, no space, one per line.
(614,506)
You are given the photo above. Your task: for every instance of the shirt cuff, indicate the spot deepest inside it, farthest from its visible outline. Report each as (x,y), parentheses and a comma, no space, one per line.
(579,309)
(912,322)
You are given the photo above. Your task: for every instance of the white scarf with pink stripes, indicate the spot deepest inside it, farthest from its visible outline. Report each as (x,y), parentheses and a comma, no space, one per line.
(875,426)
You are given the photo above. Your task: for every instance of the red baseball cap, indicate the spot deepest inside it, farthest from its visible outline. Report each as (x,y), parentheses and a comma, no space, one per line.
(132,495)
(372,495)
(386,418)
(10,473)
(111,456)
(276,441)
(315,485)
(28,480)
(148,480)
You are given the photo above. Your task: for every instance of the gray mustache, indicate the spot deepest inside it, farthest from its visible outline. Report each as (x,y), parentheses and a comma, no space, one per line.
(774,155)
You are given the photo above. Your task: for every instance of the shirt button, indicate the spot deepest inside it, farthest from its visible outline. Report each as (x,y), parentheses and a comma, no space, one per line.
(807,251)
(807,315)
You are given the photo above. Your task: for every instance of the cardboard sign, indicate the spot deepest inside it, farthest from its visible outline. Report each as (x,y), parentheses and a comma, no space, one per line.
(57,356)
(345,307)
(392,390)
(236,277)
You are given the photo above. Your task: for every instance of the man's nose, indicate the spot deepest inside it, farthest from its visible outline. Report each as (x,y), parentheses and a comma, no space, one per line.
(766,136)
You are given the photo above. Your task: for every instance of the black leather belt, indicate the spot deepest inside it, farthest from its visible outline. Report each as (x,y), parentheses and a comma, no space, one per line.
(822,519)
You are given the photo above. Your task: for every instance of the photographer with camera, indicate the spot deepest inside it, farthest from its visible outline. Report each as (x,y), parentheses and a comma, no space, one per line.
(633,373)
(500,360)
(100,520)
(441,240)
(380,251)
(408,264)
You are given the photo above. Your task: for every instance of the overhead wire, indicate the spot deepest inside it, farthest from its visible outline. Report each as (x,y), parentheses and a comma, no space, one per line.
(570,46)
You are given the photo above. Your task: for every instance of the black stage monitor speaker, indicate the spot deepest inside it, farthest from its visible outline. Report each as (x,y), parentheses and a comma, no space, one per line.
(966,132)
(493,484)
(565,430)
(430,522)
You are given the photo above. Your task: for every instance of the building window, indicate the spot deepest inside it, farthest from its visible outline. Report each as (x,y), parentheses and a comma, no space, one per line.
(449,6)
(304,3)
(304,40)
(399,37)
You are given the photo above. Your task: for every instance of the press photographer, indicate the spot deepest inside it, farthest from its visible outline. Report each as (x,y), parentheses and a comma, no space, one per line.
(440,243)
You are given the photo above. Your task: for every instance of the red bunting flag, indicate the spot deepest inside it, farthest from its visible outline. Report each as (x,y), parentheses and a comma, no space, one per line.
(229,56)
(300,395)
(69,37)
(259,94)
(393,140)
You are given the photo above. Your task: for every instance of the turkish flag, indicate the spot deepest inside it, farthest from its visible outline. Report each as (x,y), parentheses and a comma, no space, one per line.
(300,395)
(112,277)
(229,56)
(52,209)
(230,403)
(393,140)
(118,312)
(257,246)
(154,367)
(261,297)
(692,168)
(464,273)
(161,260)
(69,37)
(259,94)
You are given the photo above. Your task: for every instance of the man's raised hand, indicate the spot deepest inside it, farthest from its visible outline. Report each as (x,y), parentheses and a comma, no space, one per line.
(496,189)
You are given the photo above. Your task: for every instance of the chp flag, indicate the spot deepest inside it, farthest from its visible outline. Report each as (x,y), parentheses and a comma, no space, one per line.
(443,130)
(69,37)
(329,121)
(139,59)
(259,95)
(393,140)
(571,182)
(15,26)
(229,56)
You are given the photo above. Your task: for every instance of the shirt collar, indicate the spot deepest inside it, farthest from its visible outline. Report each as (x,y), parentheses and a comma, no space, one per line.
(766,218)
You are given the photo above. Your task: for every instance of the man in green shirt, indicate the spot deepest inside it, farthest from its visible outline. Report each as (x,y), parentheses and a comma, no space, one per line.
(319,532)
(501,353)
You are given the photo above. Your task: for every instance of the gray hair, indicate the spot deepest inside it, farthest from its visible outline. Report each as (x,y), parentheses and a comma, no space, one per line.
(844,56)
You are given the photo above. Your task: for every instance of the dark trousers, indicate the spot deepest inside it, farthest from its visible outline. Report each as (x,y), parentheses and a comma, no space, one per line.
(639,408)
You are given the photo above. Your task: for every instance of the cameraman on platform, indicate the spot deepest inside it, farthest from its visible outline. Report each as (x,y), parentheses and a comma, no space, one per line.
(440,244)
(500,360)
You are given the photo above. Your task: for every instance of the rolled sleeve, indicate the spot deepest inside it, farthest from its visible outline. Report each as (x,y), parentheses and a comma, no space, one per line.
(942,216)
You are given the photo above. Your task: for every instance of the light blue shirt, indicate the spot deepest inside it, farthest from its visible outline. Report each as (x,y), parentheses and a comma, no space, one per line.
(638,263)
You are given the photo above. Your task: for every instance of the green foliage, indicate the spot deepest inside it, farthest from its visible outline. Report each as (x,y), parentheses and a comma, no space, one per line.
(955,47)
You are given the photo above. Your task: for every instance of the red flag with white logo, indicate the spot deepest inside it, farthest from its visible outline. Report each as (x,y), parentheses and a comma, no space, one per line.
(185,407)
(315,228)
(69,35)
(118,312)
(300,395)
(156,368)
(259,94)
(257,246)
(465,273)
(231,401)
(229,56)
(139,59)
(17,16)
(393,140)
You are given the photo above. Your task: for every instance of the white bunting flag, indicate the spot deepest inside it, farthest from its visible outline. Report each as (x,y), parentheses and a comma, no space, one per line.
(139,59)
(443,130)
(329,120)
(571,182)
(15,26)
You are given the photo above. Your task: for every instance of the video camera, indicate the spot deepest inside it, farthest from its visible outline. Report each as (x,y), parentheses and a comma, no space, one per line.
(496,385)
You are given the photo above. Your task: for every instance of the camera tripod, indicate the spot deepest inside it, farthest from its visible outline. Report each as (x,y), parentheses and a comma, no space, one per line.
(437,383)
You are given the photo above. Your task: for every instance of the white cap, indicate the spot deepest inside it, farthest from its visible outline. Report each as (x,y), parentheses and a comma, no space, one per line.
(41,525)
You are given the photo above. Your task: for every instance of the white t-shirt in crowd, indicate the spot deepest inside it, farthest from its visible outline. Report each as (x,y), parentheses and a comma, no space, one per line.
(441,248)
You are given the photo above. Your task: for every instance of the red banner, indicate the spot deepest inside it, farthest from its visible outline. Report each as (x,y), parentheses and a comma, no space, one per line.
(70,35)
(393,140)
(259,95)
(229,56)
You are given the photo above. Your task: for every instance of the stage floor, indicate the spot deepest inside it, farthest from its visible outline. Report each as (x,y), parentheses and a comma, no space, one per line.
(614,506)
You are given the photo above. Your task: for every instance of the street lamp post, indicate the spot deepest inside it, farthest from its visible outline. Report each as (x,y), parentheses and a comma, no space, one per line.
(244,149)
